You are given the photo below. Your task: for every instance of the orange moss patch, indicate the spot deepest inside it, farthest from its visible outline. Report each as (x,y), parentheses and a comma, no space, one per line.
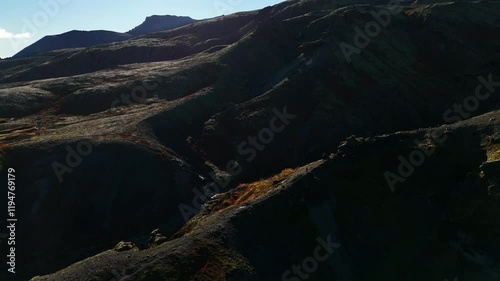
(240,195)
(248,192)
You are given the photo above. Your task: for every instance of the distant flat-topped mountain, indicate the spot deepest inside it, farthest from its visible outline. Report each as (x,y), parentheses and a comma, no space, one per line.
(73,39)
(81,39)
(158,23)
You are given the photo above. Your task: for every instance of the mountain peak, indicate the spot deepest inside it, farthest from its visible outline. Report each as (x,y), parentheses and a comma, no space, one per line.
(157,23)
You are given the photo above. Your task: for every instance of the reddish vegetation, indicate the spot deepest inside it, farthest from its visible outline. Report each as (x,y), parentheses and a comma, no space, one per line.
(252,191)
(247,192)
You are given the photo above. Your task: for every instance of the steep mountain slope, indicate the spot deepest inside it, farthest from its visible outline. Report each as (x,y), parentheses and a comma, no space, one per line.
(114,141)
(440,223)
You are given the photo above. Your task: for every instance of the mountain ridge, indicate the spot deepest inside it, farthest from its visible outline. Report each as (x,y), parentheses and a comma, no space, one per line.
(81,39)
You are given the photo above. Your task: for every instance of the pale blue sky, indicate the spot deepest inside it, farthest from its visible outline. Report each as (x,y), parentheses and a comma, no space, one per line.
(23,22)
